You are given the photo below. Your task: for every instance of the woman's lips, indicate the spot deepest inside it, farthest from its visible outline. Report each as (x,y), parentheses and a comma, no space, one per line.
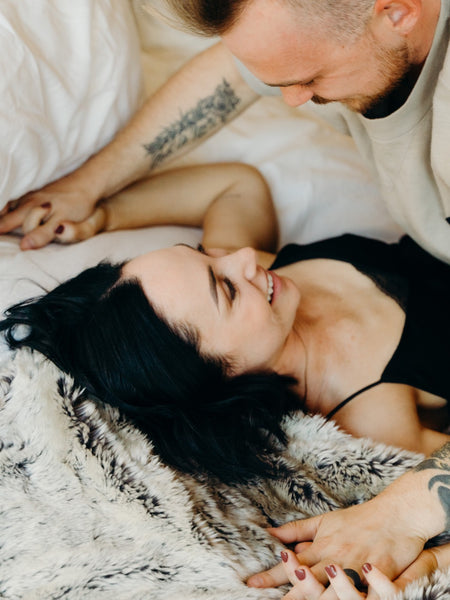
(277,285)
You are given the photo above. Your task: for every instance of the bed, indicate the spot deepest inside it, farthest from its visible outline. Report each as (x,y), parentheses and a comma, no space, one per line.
(88,510)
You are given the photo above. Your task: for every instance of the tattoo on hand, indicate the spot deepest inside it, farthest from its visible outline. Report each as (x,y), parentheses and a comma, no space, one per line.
(440,460)
(194,124)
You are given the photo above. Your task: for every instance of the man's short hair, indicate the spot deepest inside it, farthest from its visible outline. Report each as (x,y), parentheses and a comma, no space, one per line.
(343,19)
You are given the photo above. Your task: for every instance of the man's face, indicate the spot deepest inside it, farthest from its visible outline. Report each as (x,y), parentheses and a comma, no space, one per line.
(308,65)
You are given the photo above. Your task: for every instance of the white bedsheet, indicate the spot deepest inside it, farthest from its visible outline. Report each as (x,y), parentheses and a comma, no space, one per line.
(320,186)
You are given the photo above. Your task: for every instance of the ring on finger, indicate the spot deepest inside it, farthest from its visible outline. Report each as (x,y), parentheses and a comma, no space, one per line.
(354,576)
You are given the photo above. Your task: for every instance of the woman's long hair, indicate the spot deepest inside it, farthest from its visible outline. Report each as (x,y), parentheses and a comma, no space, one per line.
(101,329)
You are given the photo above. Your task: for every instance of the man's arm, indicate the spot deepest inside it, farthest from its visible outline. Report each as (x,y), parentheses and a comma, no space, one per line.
(389,531)
(197,101)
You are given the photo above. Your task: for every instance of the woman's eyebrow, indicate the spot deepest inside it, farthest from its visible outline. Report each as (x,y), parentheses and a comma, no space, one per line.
(212,277)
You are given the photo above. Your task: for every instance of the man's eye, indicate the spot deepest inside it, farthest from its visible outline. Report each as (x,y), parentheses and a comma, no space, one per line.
(201,249)
(231,288)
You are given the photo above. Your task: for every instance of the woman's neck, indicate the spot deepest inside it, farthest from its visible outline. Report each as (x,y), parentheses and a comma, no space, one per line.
(345,331)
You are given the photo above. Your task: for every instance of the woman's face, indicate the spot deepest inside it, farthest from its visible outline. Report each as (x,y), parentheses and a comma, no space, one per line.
(227,298)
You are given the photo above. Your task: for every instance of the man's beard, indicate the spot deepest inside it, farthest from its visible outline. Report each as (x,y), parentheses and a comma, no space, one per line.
(392,66)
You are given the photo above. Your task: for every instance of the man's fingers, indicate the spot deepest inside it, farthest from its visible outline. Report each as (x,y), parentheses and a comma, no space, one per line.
(302,547)
(272,578)
(40,236)
(427,562)
(297,531)
(14,219)
(35,217)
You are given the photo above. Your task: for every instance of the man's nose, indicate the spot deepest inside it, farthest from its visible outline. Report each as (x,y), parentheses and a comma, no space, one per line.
(296,95)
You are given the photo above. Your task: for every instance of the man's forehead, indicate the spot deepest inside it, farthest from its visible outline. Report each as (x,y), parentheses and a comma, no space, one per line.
(276,50)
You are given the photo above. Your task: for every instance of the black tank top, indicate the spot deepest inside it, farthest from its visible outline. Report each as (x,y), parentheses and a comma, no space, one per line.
(419,283)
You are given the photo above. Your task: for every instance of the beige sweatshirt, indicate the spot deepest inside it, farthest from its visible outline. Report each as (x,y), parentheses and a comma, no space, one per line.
(409,150)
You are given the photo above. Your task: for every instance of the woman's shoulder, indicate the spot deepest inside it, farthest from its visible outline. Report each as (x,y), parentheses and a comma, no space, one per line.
(350,248)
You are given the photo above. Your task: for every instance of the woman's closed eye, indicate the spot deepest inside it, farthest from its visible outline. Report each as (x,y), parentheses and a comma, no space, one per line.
(230,288)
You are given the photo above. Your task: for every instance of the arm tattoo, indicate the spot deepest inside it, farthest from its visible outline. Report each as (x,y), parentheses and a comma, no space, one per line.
(194,124)
(440,460)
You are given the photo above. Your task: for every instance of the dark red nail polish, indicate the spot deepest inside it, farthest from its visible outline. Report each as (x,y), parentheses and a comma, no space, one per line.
(300,574)
(46,205)
(284,556)
(59,229)
(367,567)
(331,571)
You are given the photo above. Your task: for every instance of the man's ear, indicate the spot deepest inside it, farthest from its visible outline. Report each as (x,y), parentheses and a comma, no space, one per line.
(401,16)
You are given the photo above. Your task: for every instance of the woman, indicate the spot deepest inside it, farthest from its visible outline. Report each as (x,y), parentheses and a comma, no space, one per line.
(207,350)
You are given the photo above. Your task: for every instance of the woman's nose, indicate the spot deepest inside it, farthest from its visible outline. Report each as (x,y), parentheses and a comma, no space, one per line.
(243,260)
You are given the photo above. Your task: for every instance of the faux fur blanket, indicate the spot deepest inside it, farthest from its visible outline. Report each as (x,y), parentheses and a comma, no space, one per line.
(89,512)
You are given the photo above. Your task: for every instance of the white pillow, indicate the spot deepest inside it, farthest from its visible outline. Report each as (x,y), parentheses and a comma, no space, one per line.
(71,77)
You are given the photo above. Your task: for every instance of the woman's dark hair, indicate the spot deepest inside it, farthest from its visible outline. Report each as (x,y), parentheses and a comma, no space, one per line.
(101,329)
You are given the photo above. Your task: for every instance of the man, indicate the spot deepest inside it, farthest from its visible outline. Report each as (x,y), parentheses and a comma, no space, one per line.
(385,62)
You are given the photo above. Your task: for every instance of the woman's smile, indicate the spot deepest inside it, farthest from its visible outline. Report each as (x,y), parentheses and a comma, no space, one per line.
(240,310)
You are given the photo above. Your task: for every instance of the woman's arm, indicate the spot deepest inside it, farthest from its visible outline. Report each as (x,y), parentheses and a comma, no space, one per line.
(198,100)
(231,201)
(387,413)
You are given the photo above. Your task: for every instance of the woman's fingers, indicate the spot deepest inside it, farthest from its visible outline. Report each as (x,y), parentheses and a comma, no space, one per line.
(342,584)
(302,531)
(305,585)
(380,586)
(67,232)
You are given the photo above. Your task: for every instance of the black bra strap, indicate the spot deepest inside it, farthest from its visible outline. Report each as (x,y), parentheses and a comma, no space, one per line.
(331,414)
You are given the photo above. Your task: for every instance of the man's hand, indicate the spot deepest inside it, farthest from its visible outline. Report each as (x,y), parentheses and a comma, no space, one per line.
(45,215)
(380,532)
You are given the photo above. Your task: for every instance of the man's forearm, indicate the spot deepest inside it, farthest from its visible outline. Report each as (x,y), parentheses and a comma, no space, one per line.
(421,497)
(197,101)
(438,467)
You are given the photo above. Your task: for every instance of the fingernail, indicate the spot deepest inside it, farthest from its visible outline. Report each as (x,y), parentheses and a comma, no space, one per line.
(300,574)
(284,556)
(331,571)
(46,205)
(367,567)
(59,229)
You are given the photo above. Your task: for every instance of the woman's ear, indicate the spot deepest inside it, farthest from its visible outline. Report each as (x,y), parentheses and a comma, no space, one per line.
(400,16)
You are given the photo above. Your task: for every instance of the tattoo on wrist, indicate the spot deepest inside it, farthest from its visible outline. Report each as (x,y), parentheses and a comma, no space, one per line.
(440,460)
(194,124)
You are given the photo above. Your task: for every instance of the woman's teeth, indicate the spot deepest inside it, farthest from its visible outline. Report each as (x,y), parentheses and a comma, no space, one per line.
(269,287)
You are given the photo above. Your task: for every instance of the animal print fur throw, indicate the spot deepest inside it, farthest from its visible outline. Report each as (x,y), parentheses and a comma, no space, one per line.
(89,512)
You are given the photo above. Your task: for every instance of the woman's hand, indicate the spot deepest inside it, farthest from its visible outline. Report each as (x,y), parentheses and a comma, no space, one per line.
(45,215)
(305,586)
